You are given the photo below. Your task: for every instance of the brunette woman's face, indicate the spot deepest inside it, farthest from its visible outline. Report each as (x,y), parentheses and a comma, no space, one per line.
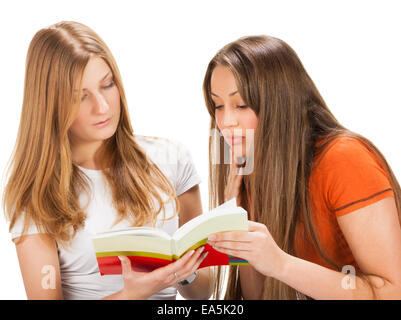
(234,118)
(99,111)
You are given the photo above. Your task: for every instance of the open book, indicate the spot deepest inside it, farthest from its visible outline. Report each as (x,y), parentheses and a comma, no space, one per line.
(151,248)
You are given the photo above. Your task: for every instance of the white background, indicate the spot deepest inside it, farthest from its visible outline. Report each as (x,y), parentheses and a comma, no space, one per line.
(351,49)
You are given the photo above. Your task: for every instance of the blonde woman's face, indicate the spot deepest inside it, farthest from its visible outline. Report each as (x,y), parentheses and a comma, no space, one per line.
(99,111)
(234,118)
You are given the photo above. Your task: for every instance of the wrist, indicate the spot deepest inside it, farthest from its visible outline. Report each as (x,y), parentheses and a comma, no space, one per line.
(188,280)
(282,265)
(131,295)
(199,289)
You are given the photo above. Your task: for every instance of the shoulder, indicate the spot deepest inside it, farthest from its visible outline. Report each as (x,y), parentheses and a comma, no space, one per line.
(157,147)
(348,175)
(345,151)
(170,155)
(345,145)
(159,150)
(174,159)
(151,142)
(348,161)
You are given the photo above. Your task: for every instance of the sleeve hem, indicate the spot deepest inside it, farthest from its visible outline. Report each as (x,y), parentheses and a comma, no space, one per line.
(15,235)
(348,208)
(191,183)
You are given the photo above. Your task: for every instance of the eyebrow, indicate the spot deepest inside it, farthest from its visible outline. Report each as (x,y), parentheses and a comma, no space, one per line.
(106,75)
(231,94)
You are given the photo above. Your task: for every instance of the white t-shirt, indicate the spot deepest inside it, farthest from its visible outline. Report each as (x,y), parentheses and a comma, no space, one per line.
(79,270)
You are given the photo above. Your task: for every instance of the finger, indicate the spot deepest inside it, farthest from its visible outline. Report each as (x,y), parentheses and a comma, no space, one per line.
(234,253)
(191,267)
(237,180)
(243,236)
(173,267)
(197,264)
(231,245)
(256,226)
(125,266)
(233,185)
(241,161)
(184,268)
(234,165)
(233,168)
(185,265)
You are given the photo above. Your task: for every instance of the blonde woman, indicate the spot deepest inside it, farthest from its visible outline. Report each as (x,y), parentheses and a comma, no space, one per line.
(78,169)
(323,204)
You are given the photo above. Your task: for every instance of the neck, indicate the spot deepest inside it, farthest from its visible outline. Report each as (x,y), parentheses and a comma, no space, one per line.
(88,155)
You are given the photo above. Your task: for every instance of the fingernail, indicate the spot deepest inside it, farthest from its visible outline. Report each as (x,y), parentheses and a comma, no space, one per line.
(191,252)
(201,249)
(205,254)
(121,258)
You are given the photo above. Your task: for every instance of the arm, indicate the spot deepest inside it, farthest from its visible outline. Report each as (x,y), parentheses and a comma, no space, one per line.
(251,280)
(152,282)
(190,207)
(373,234)
(142,285)
(38,260)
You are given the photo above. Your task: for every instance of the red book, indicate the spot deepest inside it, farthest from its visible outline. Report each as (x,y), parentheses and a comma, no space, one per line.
(151,248)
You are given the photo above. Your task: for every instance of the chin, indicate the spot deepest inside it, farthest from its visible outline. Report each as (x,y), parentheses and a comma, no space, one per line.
(105,135)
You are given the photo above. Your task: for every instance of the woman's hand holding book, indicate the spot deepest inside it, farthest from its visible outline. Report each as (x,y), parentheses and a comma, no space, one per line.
(255,245)
(142,285)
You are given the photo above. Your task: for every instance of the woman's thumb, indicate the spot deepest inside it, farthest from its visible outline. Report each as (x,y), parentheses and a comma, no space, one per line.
(125,265)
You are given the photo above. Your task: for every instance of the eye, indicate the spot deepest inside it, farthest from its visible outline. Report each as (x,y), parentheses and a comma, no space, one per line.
(108,85)
(217,107)
(83,97)
(242,107)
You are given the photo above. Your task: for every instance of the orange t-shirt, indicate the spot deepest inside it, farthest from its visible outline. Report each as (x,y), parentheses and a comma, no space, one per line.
(344,178)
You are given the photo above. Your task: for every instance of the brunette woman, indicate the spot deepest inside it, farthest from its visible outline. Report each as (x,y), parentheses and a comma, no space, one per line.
(321,199)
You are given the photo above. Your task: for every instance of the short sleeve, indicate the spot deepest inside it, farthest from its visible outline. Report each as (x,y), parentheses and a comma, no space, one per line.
(174,159)
(16,230)
(351,177)
(186,174)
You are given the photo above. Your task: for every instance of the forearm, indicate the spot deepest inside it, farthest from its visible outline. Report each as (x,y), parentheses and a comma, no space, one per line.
(200,288)
(124,295)
(319,282)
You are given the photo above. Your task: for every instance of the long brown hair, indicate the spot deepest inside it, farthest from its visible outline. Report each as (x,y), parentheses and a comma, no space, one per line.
(292,118)
(44,184)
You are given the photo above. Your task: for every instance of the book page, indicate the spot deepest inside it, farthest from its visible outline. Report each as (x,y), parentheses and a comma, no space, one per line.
(145,241)
(228,206)
(232,203)
(227,217)
(131,245)
(135,231)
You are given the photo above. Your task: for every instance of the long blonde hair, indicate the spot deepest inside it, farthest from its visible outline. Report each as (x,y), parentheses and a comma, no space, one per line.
(44,184)
(292,118)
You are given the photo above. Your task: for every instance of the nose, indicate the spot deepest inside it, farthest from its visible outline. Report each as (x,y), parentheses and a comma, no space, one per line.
(229,118)
(101,105)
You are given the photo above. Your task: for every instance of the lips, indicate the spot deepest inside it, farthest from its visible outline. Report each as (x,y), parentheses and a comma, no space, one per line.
(104,122)
(235,139)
